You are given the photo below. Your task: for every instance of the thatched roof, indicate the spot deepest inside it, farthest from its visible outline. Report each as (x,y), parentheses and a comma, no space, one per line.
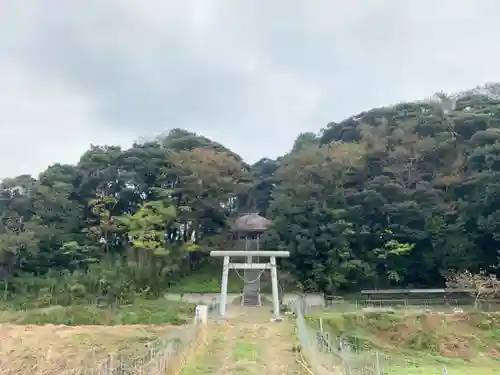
(251,222)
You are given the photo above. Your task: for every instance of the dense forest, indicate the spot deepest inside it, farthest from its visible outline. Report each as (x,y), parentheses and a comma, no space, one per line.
(395,196)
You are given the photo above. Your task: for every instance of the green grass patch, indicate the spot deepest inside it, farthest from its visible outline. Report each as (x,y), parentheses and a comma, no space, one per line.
(208,280)
(435,369)
(246,351)
(152,312)
(245,356)
(208,362)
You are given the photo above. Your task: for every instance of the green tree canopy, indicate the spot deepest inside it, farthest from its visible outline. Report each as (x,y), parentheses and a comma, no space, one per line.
(399,195)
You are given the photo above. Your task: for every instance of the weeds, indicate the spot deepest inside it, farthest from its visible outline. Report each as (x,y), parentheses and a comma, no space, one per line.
(140,312)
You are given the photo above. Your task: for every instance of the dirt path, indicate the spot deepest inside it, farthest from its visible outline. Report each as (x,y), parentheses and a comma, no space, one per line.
(248,345)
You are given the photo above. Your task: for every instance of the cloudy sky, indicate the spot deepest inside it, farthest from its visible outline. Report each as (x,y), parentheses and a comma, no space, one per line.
(250,74)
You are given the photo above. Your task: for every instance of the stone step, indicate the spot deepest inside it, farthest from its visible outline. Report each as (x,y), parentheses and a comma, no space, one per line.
(251,288)
(248,288)
(250,299)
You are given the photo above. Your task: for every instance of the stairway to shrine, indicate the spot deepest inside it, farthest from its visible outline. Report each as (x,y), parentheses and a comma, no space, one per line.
(251,288)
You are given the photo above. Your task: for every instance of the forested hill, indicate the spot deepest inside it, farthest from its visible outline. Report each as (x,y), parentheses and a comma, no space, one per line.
(393,196)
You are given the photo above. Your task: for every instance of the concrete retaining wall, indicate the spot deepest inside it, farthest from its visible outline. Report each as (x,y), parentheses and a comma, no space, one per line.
(206,298)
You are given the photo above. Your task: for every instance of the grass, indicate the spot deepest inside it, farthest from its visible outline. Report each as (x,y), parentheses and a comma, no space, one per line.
(207,361)
(208,280)
(248,345)
(54,339)
(437,369)
(140,311)
(246,351)
(245,355)
(51,349)
(422,343)
(231,351)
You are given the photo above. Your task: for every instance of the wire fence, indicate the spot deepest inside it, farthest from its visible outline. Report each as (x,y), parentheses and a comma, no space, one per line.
(421,304)
(330,355)
(163,356)
(319,363)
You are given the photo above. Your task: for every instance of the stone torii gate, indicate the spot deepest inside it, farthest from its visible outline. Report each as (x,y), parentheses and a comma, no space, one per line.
(249,228)
(250,266)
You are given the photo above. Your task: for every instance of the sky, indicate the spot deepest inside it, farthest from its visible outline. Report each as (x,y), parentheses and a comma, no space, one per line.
(249,74)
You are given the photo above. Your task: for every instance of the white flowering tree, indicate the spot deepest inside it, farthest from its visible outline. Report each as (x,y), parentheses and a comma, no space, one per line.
(482,286)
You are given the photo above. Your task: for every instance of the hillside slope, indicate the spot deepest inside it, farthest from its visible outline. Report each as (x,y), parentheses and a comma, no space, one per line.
(450,338)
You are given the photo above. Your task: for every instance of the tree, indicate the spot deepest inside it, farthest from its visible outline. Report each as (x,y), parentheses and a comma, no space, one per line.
(304,140)
(388,255)
(396,195)
(153,259)
(482,286)
(104,223)
(147,228)
(207,188)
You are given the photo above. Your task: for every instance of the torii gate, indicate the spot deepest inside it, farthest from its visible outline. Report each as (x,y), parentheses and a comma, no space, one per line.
(248,254)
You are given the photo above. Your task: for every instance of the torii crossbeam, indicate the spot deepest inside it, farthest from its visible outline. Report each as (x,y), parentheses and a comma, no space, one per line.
(271,265)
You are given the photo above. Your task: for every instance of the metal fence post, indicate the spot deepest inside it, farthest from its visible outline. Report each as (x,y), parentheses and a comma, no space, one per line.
(379,371)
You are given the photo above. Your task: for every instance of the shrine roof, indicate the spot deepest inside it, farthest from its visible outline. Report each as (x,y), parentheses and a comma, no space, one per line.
(251,222)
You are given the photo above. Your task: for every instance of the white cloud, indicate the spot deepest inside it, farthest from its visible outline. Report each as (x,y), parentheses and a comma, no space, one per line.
(45,122)
(251,75)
